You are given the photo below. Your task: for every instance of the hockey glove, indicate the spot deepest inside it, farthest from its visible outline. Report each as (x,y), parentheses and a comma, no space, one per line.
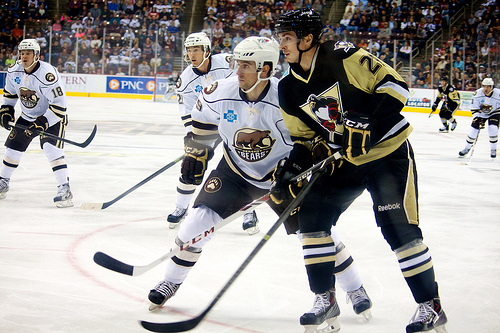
(282,190)
(321,150)
(434,107)
(195,162)
(37,127)
(6,115)
(356,137)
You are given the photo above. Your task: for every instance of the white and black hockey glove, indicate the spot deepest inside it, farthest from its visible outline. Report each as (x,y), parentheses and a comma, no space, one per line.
(195,162)
(356,137)
(6,115)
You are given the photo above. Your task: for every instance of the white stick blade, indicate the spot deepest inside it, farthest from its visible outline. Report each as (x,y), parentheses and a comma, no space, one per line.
(91,206)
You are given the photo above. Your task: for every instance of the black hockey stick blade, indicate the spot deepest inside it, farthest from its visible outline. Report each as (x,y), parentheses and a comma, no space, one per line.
(111,263)
(187,325)
(104,205)
(118,266)
(81,145)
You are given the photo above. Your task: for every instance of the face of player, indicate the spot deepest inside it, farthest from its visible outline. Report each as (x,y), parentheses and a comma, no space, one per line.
(443,83)
(288,45)
(247,74)
(27,58)
(196,55)
(487,89)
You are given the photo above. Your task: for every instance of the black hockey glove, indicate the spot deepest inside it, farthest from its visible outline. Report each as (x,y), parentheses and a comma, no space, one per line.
(321,150)
(434,107)
(37,127)
(356,137)
(282,190)
(195,162)
(6,115)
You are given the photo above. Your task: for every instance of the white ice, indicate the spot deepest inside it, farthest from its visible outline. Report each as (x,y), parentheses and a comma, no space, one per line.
(49,282)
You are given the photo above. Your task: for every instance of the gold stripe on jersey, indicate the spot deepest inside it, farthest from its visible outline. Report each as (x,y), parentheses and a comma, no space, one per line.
(205,130)
(300,130)
(410,198)
(9,95)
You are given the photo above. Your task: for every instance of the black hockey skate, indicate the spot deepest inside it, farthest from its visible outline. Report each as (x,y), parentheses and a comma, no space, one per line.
(176,217)
(4,187)
(361,303)
(444,129)
(325,310)
(453,125)
(493,153)
(251,223)
(163,291)
(429,316)
(463,152)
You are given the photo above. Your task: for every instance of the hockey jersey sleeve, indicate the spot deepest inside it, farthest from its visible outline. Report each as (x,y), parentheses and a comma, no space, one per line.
(53,90)
(439,96)
(205,118)
(9,91)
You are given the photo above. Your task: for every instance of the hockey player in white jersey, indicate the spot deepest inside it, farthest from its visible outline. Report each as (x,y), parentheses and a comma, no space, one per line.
(485,106)
(204,69)
(43,104)
(244,112)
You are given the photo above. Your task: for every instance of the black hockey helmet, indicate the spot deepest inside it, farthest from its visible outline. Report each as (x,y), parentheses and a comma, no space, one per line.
(302,22)
(444,78)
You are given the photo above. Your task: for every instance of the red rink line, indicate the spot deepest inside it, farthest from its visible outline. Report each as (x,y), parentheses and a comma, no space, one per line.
(71,253)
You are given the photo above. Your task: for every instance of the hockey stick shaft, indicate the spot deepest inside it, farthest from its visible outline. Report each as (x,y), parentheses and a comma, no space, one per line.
(189,324)
(52,136)
(106,261)
(104,205)
(118,266)
(473,147)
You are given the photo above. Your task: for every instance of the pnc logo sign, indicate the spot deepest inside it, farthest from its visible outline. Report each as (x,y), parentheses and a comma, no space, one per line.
(150,85)
(114,84)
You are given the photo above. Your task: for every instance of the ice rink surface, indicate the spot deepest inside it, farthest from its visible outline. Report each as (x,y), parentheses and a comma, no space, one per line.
(49,282)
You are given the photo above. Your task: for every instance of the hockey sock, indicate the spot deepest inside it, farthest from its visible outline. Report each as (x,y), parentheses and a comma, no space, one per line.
(178,267)
(471,137)
(319,256)
(11,161)
(493,133)
(415,263)
(60,169)
(184,194)
(346,271)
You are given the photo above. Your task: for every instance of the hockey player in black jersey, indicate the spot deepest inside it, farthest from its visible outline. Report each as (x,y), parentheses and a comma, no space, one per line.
(359,113)
(451,101)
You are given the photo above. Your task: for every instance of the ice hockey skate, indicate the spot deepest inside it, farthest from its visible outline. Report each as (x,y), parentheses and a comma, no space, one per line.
(493,153)
(163,291)
(251,223)
(463,152)
(444,129)
(429,316)
(64,196)
(176,217)
(4,187)
(453,125)
(324,312)
(361,303)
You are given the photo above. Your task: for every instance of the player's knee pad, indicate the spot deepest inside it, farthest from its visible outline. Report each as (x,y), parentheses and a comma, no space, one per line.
(52,152)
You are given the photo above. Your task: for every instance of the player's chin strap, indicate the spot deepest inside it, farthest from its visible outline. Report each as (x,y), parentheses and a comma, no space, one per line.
(303,51)
(205,58)
(259,80)
(35,60)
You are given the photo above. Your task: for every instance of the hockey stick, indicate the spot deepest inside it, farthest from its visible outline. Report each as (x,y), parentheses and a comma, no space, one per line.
(113,264)
(471,149)
(82,145)
(187,325)
(116,265)
(104,205)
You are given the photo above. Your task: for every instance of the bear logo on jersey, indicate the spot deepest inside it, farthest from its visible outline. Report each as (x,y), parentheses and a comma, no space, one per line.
(211,88)
(253,145)
(213,185)
(50,77)
(179,83)
(28,97)
(326,110)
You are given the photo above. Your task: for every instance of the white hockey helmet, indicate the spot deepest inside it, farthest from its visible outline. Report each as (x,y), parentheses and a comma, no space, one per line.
(198,39)
(29,44)
(260,50)
(488,81)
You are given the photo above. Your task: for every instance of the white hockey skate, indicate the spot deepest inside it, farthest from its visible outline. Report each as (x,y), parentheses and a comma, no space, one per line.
(176,217)
(361,303)
(251,223)
(4,187)
(429,316)
(162,293)
(64,196)
(322,318)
